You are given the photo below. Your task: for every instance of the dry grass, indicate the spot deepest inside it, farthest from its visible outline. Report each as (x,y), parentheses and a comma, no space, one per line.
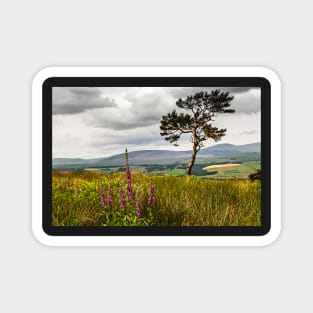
(180,201)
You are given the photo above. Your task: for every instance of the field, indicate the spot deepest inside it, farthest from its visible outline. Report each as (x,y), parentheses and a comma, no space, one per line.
(94,198)
(204,167)
(233,170)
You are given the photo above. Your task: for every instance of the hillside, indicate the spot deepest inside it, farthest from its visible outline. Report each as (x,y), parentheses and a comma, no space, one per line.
(142,157)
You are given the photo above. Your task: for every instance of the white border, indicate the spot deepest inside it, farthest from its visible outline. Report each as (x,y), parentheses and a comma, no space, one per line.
(155,240)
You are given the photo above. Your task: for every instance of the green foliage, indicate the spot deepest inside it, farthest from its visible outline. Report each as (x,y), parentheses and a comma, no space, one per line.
(256,176)
(180,201)
(202,108)
(212,173)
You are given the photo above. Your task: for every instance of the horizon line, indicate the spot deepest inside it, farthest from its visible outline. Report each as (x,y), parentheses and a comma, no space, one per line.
(89,158)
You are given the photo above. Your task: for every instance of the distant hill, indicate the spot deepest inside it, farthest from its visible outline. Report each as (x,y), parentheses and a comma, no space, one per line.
(155,156)
(227,149)
(65,161)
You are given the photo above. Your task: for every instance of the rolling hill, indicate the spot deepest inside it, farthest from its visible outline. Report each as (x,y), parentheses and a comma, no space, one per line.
(157,156)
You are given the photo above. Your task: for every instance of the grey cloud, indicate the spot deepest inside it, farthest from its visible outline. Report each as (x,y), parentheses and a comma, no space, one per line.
(247,103)
(236,90)
(181,92)
(247,100)
(140,141)
(248,132)
(150,107)
(116,117)
(144,110)
(86,91)
(78,99)
(122,125)
(123,140)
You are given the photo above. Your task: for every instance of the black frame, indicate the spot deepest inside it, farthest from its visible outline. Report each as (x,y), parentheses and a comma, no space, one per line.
(156,82)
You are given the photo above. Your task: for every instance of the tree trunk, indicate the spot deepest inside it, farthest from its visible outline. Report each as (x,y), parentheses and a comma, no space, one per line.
(192,160)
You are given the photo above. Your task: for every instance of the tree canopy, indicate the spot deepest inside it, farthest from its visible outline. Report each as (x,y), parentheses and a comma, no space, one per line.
(202,108)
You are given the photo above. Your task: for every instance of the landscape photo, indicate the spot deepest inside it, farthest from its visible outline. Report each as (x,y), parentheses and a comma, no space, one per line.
(156,156)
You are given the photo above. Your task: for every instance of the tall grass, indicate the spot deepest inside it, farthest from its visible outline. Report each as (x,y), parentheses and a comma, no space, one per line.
(78,200)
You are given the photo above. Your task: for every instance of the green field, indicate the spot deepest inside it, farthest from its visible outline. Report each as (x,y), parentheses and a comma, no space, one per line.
(179,201)
(229,170)
(201,168)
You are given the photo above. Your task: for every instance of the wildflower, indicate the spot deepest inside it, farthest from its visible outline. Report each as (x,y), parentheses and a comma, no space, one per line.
(122,197)
(151,200)
(110,195)
(129,178)
(102,197)
(138,204)
(139,212)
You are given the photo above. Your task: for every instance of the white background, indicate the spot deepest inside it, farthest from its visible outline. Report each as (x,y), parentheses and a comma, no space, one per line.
(36,34)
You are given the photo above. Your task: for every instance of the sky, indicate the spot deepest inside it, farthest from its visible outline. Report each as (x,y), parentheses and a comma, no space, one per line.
(91,122)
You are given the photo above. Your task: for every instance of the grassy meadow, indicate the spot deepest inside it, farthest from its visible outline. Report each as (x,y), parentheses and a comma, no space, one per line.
(93,198)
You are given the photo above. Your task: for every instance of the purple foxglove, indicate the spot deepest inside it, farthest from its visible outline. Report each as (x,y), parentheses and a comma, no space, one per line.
(129,178)
(102,197)
(110,195)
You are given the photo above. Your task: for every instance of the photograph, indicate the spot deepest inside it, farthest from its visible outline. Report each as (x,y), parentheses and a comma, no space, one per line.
(156,156)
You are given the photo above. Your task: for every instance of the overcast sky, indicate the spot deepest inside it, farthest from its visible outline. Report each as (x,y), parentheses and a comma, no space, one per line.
(93,122)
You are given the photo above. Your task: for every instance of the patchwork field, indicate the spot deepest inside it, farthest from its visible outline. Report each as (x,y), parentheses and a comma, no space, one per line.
(225,168)
(233,170)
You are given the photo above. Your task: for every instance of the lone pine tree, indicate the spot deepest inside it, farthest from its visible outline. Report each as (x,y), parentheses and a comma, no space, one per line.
(202,108)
